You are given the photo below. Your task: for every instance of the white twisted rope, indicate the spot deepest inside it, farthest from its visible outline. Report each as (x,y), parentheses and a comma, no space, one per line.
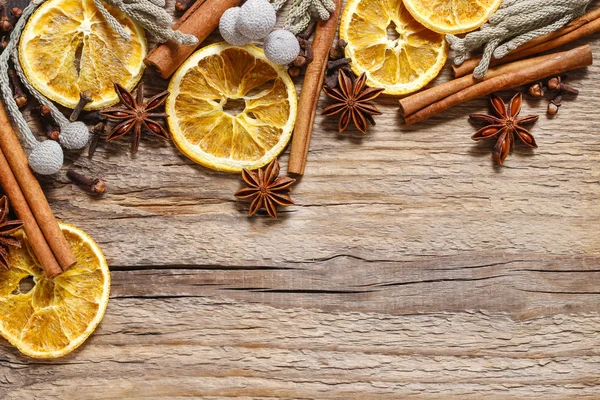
(515,23)
(151,15)
(301,12)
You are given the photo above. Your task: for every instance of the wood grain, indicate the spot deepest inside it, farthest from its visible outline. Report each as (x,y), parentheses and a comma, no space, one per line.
(412,267)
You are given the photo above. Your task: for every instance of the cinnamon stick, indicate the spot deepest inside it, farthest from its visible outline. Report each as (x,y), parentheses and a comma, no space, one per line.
(32,230)
(583,26)
(579,57)
(412,104)
(200,20)
(33,193)
(311,90)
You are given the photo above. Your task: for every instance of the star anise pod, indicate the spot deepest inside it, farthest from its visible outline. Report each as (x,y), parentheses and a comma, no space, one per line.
(136,116)
(504,126)
(353,101)
(266,189)
(7,229)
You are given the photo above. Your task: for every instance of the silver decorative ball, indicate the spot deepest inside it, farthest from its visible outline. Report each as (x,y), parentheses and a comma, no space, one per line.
(256,19)
(282,47)
(74,135)
(227,28)
(46,158)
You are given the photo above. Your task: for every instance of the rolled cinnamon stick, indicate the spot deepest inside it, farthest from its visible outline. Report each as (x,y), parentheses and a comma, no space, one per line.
(311,90)
(33,193)
(412,104)
(579,57)
(200,20)
(36,238)
(576,29)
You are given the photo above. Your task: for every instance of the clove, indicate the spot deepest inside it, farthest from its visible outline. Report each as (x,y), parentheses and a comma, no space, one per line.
(19,96)
(337,61)
(537,90)
(97,132)
(92,185)
(92,117)
(183,5)
(52,131)
(85,97)
(5,21)
(555,105)
(556,83)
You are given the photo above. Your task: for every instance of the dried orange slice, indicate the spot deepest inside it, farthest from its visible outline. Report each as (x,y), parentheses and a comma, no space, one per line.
(56,315)
(452,16)
(397,53)
(67,47)
(231,108)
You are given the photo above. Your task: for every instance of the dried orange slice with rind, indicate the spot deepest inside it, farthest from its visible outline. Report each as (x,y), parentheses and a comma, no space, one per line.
(229,140)
(452,16)
(57,315)
(67,47)
(400,65)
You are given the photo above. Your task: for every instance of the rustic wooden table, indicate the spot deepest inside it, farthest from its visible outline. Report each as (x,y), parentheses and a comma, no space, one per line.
(412,267)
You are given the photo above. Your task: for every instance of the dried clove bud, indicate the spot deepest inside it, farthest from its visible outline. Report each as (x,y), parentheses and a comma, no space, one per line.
(92,185)
(92,117)
(294,71)
(555,105)
(309,31)
(556,83)
(5,24)
(85,97)
(97,132)
(3,43)
(183,5)
(338,50)
(16,12)
(19,96)
(537,90)
(52,131)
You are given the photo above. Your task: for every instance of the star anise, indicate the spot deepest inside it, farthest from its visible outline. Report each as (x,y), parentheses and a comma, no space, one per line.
(135,115)
(353,101)
(7,229)
(266,189)
(504,125)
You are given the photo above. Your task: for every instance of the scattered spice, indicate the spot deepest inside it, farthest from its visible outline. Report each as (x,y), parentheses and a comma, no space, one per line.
(337,62)
(47,122)
(7,229)
(557,87)
(183,5)
(266,189)
(135,115)
(85,97)
(353,101)
(92,185)
(307,54)
(97,132)
(504,125)
(19,96)
(555,104)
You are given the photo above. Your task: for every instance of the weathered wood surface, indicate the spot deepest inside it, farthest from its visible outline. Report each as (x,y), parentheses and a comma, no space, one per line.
(412,267)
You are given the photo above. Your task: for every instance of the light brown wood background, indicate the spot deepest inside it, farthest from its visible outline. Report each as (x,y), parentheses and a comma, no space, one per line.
(411,267)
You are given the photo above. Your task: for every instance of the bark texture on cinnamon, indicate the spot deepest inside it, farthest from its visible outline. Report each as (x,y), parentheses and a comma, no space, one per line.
(576,29)
(36,238)
(411,104)
(200,20)
(577,58)
(311,89)
(33,193)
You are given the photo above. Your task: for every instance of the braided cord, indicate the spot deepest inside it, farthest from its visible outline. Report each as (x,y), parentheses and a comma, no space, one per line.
(515,23)
(11,105)
(150,14)
(300,12)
